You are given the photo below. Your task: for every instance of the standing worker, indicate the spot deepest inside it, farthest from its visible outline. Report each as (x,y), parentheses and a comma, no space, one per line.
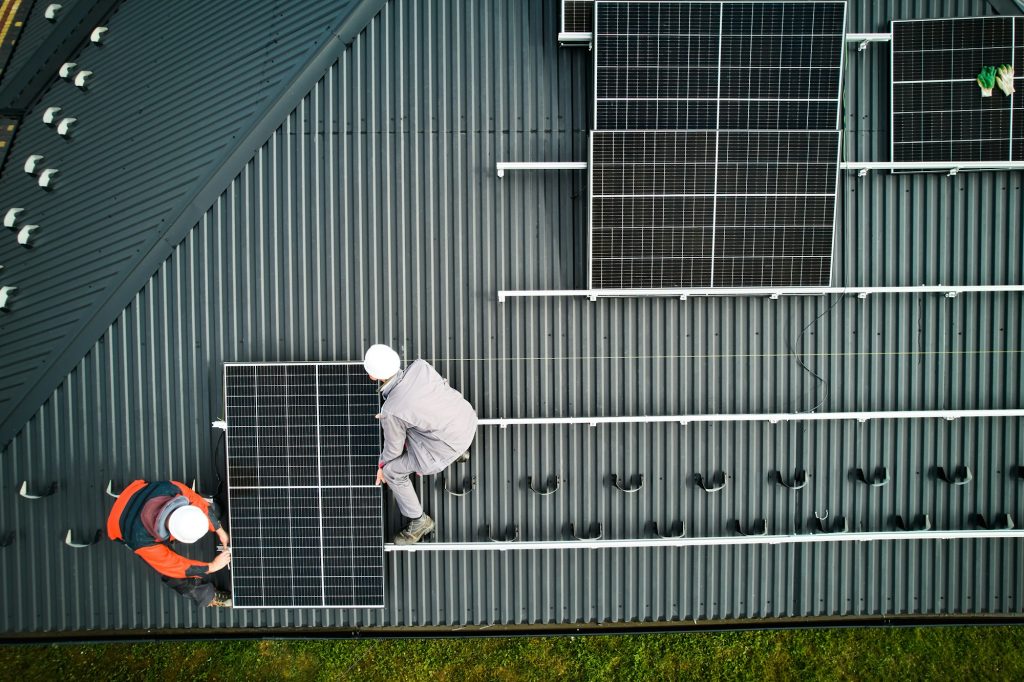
(149,516)
(427,425)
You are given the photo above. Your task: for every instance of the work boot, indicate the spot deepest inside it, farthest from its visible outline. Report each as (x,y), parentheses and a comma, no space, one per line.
(221,599)
(415,531)
(463,458)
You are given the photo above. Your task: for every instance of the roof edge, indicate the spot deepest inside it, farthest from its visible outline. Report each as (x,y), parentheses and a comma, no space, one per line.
(188,215)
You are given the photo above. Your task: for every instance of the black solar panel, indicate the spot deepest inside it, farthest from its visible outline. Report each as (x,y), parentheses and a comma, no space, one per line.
(669,64)
(577,16)
(938,112)
(668,214)
(306,517)
(715,159)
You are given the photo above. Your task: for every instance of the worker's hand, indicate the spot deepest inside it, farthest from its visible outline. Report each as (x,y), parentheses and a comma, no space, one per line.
(380,478)
(222,560)
(222,535)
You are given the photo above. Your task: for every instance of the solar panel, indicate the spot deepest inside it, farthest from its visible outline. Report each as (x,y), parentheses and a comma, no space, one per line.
(306,517)
(938,112)
(714,162)
(674,65)
(577,16)
(685,209)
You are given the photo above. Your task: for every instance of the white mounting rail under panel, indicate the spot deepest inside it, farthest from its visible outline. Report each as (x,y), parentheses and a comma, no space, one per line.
(774,418)
(774,294)
(862,38)
(503,166)
(495,546)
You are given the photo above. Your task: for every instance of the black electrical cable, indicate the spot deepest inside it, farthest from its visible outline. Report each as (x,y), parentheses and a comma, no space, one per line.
(802,364)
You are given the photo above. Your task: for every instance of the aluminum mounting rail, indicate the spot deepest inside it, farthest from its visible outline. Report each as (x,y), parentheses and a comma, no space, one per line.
(502,166)
(951,291)
(684,419)
(811,538)
(862,38)
(952,167)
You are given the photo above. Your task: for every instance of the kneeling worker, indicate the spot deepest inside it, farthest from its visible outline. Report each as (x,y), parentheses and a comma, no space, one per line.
(424,417)
(149,516)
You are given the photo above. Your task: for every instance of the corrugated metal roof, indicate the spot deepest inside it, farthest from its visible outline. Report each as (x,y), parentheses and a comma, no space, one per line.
(373,214)
(176,92)
(34,34)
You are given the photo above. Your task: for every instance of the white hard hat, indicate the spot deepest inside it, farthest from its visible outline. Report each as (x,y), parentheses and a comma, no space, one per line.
(381,362)
(188,524)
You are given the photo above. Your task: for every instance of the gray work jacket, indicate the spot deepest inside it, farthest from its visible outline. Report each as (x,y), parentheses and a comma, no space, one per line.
(426,415)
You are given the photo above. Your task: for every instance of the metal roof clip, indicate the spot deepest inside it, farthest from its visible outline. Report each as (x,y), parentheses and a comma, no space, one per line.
(594,532)
(636,482)
(550,487)
(717,482)
(51,489)
(50,13)
(11,217)
(97,34)
(66,68)
(961,475)
(1003,522)
(881,477)
(799,479)
(468,484)
(79,545)
(511,533)
(759,527)
(50,115)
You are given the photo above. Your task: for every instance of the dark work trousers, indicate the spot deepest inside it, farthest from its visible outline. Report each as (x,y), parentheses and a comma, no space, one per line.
(202,590)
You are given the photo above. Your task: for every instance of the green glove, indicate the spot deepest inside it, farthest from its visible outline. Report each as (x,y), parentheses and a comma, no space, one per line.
(987,80)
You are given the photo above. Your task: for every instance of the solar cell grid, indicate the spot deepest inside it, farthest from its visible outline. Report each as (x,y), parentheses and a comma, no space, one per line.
(715,158)
(938,113)
(302,447)
(670,210)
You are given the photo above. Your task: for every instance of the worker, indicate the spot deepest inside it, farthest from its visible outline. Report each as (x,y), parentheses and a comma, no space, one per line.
(427,426)
(148,517)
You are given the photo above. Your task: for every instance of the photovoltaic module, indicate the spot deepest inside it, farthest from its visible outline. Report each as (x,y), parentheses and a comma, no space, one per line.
(305,516)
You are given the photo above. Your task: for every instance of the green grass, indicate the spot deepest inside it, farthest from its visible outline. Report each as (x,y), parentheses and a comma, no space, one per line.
(948,653)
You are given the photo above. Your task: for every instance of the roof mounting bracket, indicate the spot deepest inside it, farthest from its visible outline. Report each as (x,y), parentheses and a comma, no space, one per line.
(78,545)
(799,479)
(953,171)
(677,529)
(510,534)
(468,483)
(717,482)
(839,524)
(37,496)
(594,532)
(759,527)
(636,482)
(925,523)
(862,172)
(880,477)
(110,490)
(551,485)
(1002,522)
(6,539)
(961,475)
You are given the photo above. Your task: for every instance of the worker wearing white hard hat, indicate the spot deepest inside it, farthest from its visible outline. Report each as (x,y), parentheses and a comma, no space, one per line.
(150,517)
(427,426)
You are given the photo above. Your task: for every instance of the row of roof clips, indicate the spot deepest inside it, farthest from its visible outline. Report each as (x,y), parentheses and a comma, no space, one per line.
(49,490)
(34,163)
(840,524)
(961,475)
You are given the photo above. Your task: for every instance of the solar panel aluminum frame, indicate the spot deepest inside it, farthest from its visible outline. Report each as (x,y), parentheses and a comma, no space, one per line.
(227,446)
(1008,163)
(590,166)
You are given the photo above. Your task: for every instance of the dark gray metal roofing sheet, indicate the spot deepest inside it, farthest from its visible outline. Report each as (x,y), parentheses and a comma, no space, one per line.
(34,34)
(373,214)
(177,95)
